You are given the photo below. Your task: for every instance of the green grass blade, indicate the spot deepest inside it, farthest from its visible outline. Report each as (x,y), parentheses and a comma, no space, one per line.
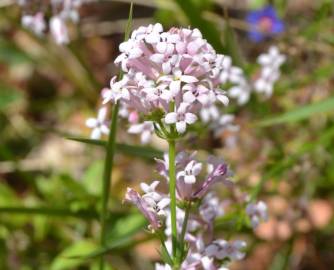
(231,46)
(300,113)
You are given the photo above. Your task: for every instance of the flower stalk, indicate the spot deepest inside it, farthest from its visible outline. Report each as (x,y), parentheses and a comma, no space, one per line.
(172,192)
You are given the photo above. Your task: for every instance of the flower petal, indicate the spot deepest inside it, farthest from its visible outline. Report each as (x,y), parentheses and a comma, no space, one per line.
(171,118)
(181,127)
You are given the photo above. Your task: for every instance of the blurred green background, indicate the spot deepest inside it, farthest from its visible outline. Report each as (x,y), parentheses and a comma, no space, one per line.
(50,186)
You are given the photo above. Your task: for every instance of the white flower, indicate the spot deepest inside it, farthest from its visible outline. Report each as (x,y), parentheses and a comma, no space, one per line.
(241,92)
(221,249)
(156,93)
(270,72)
(257,212)
(145,129)
(265,83)
(190,172)
(181,118)
(35,23)
(98,124)
(149,190)
(211,208)
(159,266)
(272,59)
(209,112)
(59,30)
(116,91)
(176,79)
(230,73)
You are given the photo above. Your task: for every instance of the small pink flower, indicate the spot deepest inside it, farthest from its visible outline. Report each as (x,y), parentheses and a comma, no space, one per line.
(181,118)
(151,209)
(190,172)
(98,124)
(145,129)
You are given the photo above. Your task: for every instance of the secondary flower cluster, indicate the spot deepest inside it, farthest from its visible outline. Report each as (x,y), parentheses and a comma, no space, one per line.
(264,82)
(194,193)
(270,71)
(34,17)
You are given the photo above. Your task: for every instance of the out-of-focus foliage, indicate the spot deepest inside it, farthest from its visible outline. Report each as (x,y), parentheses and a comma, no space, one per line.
(50,186)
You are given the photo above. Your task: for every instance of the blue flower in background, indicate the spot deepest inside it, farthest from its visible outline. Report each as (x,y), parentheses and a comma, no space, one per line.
(264,23)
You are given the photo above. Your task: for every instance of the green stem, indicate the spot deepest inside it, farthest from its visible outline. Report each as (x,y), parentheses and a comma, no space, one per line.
(184,228)
(172,192)
(108,168)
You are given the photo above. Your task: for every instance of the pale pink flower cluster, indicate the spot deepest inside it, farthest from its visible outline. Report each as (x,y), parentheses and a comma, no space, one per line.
(175,74)
(177,78)
(34,17)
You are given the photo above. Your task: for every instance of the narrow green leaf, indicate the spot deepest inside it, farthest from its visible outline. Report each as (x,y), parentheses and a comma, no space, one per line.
(126,149)
(301,113)
(139,151)
(88,141)
(85,214)
(230,44)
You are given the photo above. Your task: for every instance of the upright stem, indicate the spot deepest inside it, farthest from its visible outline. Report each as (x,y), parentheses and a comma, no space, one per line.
(108,167)
(172,192)
(184,226)
(109,161)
